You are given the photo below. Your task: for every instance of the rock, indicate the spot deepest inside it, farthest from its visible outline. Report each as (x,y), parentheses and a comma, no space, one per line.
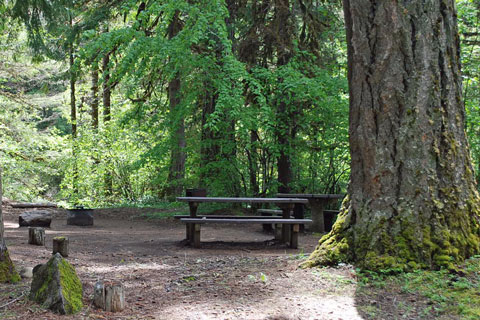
(35,218)
(56,286)
(26,273)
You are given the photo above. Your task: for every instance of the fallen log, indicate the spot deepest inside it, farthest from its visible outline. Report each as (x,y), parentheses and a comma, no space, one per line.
(32,205)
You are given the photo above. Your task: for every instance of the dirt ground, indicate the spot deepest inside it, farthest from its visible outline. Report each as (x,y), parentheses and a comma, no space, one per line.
(239,273)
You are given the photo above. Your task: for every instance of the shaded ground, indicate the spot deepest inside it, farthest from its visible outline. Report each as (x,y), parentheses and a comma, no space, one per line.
(239,273)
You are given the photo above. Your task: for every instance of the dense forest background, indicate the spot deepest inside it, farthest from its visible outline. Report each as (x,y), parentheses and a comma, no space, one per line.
(115,102)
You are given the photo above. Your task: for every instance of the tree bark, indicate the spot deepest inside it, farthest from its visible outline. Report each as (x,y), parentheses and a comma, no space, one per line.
(412,197)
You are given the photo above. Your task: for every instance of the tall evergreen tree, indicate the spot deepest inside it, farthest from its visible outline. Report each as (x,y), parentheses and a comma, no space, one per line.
(412,199)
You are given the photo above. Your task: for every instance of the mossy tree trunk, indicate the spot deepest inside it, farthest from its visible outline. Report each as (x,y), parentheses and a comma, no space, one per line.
(7,269)
(412,197)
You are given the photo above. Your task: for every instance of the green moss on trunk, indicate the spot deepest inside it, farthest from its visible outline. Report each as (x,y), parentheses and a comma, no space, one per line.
(7,269)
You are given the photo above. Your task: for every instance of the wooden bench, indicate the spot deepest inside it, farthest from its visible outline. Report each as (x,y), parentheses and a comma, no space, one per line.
(217,216)
(268,213)
(286,204)
(195,223)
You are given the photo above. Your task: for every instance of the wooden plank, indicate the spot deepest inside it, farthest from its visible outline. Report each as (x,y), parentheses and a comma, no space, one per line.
(277,211)
(310,196)
(33,205)
(250,221)
(242,200)
(214,216)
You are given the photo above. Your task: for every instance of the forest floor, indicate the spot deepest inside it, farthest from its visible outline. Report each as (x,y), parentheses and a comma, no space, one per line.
(239,273)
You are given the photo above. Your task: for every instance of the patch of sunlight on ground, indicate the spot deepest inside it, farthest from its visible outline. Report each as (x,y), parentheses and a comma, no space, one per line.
(127,267)
(293,307)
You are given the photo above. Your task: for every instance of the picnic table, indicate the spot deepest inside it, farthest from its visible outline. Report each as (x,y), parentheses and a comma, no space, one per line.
(289,227)
(317,203)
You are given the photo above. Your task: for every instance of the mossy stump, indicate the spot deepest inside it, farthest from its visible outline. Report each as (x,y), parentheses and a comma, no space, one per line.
(56,286)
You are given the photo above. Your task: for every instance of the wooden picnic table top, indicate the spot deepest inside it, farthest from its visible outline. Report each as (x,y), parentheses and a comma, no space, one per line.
(311,196)
(247,200)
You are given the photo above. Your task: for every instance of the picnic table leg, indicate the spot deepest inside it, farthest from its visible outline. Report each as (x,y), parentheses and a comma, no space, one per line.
(286,208)
(196,235)
(190,227)
(294,236)
(299,213)
(318,222)
(278,231)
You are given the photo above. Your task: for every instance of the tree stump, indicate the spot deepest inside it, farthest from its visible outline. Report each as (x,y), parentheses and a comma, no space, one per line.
(109,296)
(36,236)
(60,245)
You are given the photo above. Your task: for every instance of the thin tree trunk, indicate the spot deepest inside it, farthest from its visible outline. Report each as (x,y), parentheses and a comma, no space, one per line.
(106,99)
(209,141)
(73,116)
(284,116)
(95,100)
(252,164)
(412,197)
(176,173)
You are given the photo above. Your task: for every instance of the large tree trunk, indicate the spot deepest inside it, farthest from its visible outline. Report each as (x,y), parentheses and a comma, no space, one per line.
(412,198)
(7,269)
(176,173)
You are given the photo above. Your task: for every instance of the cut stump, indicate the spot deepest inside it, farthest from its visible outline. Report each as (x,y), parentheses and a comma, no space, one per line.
(60,245)
(36,236)
(109,296)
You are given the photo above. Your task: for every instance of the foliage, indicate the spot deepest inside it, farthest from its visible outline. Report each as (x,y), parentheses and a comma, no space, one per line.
(222,53)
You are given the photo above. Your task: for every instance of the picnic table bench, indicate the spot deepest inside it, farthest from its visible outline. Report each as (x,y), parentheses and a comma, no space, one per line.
(288,233)
(317,204)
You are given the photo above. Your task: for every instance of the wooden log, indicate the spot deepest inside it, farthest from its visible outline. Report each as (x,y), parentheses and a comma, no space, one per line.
(36,236)
(60,245)
(33,205)
(109,296)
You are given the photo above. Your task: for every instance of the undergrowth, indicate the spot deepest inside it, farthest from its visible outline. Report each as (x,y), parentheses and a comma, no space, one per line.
(422,294)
